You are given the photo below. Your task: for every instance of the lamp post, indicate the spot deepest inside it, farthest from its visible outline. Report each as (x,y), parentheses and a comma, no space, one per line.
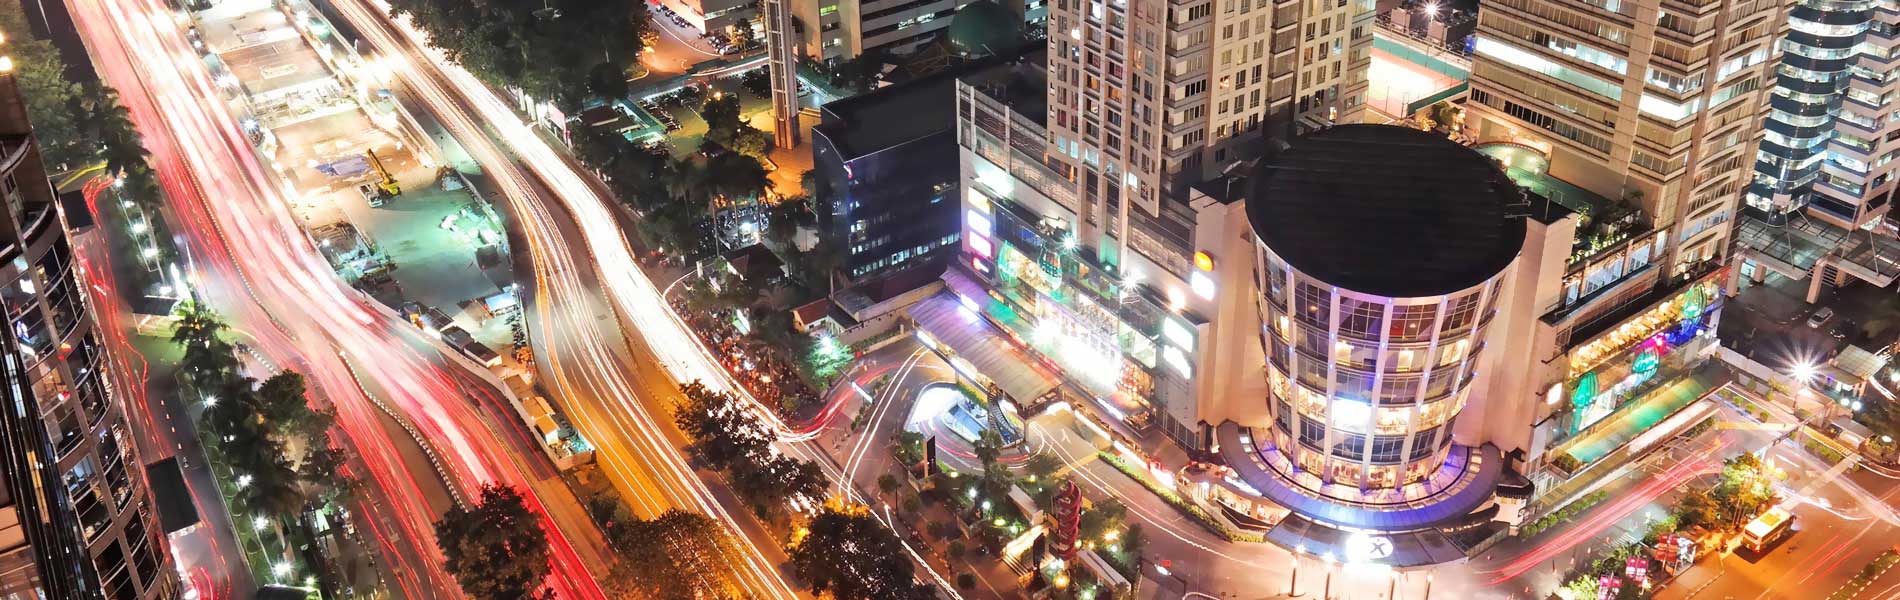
(1428,585)
(1293,586)
(1331,564)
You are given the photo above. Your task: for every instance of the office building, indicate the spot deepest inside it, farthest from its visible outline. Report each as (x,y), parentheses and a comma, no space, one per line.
(1825,145)
(1375,329)
(75,510)
(845,29)
(1100,221)
(717,16)
(1823,179)
(1130,328)
(886,168)
(1643,104)
(1417,373)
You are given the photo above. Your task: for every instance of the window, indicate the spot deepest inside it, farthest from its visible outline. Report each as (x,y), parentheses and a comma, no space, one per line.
(1312,433)
(1422,442)
(1460,314)
(1398,389)
(1351,446)
(1412,323)
(1387,448)
(1312,304)
(1454,352)
(1360,318)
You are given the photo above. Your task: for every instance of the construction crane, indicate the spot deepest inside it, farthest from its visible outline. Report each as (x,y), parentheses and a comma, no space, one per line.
(388,184)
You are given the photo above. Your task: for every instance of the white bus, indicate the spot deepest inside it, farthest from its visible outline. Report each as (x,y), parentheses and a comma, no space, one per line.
(1768,528)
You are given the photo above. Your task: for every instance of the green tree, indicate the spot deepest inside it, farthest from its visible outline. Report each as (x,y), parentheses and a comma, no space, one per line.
(563,50)
(207,358)
(495,549)
(282,403)
(676,555)
(721,113)
(724,433)
(1042,466)
(52,100)
(737,176)
(846,553)
(110,124)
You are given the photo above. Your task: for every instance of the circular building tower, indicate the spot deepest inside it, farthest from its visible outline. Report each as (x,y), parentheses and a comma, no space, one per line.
(1381,252)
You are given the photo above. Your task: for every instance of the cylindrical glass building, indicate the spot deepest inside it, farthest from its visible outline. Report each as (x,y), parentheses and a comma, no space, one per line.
(1380,256)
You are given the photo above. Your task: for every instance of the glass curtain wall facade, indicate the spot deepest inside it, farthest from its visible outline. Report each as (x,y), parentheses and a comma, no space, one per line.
(1827,112)
(100,476)
(1364,389)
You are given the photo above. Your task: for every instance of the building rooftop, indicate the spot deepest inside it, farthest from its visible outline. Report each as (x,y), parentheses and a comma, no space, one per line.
(1024,87)
(900,113)
(1387,210)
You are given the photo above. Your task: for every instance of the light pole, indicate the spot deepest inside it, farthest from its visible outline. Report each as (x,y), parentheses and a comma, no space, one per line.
(1331,563)
(1293,587)
(1428,585)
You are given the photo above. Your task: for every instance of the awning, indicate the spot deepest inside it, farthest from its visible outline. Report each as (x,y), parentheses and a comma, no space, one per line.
(1470,477)
(967,335)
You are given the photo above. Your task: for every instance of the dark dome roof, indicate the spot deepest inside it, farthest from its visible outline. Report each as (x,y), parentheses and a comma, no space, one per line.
(983,28)
(1387,210)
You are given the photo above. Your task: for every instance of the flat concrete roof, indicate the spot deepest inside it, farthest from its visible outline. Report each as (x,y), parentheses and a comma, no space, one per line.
(1387,210)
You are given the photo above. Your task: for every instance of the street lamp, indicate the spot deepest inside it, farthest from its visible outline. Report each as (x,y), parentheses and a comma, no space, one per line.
(1332,563)
(1293,586)
(1803,371)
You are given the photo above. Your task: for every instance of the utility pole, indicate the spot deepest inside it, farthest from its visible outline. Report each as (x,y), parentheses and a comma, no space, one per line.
(782,64)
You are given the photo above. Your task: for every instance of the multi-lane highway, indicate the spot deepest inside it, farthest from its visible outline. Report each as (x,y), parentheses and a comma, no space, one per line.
(586,298)
(254,265)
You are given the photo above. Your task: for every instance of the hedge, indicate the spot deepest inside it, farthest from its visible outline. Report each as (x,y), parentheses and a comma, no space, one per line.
(1563,514)
(1140,474)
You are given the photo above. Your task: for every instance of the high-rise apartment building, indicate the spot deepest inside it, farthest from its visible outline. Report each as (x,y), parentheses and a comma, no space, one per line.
(1824,176)
(1146,98)
(843,29)
(76,517)
(1826,146)
(1650,105)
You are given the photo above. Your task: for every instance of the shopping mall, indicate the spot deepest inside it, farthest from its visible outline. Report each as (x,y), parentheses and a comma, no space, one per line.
(1403,354)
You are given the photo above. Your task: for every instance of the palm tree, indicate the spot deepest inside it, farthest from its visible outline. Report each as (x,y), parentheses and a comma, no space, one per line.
(208,358)
(684,180)
(111,123)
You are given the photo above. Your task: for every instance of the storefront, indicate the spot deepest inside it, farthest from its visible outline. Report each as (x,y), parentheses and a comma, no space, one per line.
(1609,370)
(1057,302)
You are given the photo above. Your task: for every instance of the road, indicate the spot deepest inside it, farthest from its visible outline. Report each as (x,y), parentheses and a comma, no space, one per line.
(253,265)
(608,347)
(586,299)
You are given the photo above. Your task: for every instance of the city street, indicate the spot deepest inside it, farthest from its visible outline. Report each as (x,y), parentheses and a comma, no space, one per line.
(363,360)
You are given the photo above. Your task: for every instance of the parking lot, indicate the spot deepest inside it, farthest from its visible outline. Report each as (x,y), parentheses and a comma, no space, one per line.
(1772,323)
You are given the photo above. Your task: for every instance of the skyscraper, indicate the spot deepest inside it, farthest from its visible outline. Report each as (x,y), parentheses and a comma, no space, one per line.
(74,506)
(1827,117)
(1649,105)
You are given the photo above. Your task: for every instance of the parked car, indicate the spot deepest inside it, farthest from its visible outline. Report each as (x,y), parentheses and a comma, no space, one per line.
(1820,317)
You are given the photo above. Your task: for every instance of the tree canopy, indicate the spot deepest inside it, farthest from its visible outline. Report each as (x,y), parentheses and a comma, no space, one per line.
(496,549)
(845,552)
(560,50)
(731,438)
(675,556)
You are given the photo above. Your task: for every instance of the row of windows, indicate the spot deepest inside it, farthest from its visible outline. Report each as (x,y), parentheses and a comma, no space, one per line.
(1385,449)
